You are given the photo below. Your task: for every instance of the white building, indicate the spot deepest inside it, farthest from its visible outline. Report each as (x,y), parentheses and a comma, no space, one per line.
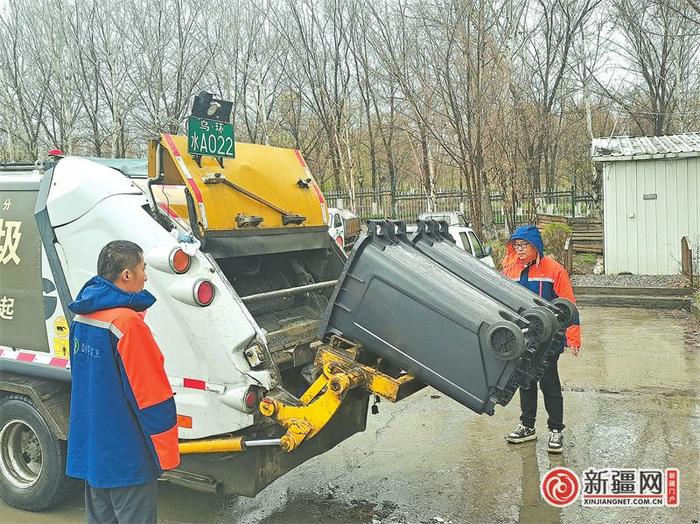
(651,199)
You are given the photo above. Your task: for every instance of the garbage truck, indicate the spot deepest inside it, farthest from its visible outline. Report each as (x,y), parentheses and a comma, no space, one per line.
(274,340)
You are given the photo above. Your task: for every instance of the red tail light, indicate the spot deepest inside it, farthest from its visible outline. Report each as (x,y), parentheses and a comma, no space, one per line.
(252,398)
(203,292)
(179,261)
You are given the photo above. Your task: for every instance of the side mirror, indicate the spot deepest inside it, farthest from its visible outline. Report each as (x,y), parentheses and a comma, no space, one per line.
(488,251)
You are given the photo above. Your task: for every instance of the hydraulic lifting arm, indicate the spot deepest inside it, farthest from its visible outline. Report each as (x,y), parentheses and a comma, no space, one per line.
(340,373)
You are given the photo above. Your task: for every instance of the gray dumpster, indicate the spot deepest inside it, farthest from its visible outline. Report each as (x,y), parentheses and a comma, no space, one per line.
(432,239)
(402,306)
(548,320)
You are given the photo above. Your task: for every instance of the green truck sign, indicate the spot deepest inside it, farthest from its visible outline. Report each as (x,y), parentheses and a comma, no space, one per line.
(210,138)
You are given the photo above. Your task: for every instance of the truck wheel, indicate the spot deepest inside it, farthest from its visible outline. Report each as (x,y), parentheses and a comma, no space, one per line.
(32,459)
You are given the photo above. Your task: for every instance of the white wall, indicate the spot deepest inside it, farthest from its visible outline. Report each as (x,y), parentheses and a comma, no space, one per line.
(644,236)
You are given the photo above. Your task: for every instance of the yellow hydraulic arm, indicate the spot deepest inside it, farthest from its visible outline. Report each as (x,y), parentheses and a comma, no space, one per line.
(340,373)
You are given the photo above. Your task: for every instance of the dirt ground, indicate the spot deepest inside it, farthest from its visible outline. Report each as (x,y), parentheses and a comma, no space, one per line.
(630,400)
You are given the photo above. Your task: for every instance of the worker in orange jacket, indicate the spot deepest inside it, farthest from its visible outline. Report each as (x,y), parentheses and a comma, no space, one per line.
(122,432)
(526,263)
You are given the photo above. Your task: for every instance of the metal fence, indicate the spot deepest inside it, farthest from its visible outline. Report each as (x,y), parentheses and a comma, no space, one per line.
(407,205)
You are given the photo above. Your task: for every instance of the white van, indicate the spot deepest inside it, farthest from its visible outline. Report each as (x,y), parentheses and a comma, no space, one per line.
(463,235)
(343,227)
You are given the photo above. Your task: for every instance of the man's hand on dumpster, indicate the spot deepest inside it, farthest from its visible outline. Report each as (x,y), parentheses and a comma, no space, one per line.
(574,349)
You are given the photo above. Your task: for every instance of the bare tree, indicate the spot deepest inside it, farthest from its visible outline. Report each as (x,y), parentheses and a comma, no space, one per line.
(398,37)
(315,33)
(661,52)
(478,94)
(25,92)
(551,29)
(172,63)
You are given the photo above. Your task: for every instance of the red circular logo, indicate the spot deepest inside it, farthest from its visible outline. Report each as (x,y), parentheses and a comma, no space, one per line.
(560,487)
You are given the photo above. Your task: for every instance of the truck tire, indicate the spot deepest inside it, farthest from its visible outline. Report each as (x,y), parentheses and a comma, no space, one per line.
(32,459)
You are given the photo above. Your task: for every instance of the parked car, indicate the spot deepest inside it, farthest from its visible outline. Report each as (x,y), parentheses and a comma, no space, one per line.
(453,218)
(343,226)
(463,235)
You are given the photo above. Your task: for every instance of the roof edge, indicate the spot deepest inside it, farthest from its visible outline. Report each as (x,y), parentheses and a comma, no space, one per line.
(657,156)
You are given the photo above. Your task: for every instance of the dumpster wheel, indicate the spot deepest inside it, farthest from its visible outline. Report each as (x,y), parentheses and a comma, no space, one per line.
(506,340)
(567,310)
(541,321)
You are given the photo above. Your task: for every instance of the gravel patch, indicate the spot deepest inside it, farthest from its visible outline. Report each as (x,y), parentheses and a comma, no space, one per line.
(630,280)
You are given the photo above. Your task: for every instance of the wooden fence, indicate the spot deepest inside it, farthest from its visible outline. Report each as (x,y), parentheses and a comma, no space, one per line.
(587,233)
(687,259)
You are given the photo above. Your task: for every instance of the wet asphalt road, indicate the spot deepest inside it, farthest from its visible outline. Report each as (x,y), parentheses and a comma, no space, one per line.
(630,400)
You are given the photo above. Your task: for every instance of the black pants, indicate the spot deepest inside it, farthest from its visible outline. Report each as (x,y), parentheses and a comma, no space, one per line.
(553,401)
(129,505)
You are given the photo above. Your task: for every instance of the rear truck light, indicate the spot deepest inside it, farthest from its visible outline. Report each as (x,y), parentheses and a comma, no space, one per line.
(243,398)
(179,261)
(203,292)
(251,399)
(169,259)
(56,153)
(192,291)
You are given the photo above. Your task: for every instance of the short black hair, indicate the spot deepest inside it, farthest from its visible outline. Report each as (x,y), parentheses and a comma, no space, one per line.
(117,256)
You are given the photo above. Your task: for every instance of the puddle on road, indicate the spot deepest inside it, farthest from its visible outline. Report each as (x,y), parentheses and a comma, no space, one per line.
(625,349)
(631,400)
(533,508)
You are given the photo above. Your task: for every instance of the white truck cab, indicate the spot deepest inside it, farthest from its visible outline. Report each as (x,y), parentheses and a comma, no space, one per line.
(463,235)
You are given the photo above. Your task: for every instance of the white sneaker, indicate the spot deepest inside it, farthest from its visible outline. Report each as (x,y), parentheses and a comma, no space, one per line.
(521,434)
(556,441)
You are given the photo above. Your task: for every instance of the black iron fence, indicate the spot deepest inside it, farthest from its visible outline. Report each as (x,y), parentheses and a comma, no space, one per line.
(407,205)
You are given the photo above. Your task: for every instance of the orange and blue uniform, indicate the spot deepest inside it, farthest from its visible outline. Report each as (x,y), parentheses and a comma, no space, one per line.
(543,276)
(546,277)
(123,423)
